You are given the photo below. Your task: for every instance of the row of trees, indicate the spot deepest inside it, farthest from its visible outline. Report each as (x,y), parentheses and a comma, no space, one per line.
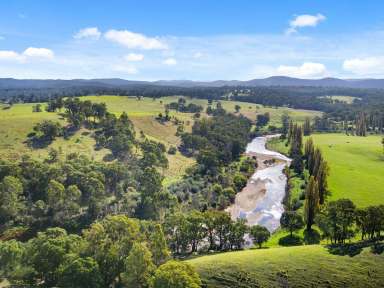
(210,230)
(182,106)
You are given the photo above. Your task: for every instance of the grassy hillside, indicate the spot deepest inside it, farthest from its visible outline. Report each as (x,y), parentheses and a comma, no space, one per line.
(356,166)
(302,266)
(18,121)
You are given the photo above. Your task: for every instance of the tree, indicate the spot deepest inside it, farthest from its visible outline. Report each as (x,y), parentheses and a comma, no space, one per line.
(109,242)
(285,119)
(236,233)
(307,128)
(260,234)
(158,245)
(361,124)
(11,199)
(311,205)
(176,275)
(138,267)
(239,180)
(80,272)
(237,108)
(295,151)
(262,119)
(48,251)
(337,220)
(222,227)
(195,227)
(11,255)
(48,130)
(292,221)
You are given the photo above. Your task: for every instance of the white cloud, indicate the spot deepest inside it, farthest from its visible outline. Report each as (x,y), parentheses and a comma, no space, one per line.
(365,66)
(170,61)
(134,40)
(304,20)
(307,69)
(9,55)
(29,53)
(89,32)
(133,57)
(42,53)
(197,55)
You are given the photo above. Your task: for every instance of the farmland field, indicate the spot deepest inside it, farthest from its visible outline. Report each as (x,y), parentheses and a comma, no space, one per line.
(18,121)
(356,166)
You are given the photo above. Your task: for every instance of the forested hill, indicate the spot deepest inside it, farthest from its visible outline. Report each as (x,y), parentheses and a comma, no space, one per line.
(10,83)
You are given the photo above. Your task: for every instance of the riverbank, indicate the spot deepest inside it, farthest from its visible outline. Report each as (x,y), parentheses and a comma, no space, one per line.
(260,201)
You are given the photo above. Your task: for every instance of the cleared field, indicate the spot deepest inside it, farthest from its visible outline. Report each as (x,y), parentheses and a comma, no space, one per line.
(301,266)
(18,121)
(345,99)
(356,166)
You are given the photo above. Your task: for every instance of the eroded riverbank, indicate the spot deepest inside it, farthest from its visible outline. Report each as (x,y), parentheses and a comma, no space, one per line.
(260,202)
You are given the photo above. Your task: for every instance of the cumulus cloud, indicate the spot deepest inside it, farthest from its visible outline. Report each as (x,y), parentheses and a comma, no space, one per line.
(364,66)
(304,20)
(134,40)
(170,61)
(89,32)
(42,53)
(307,69)
(29,53)
(9,55)
(133,57)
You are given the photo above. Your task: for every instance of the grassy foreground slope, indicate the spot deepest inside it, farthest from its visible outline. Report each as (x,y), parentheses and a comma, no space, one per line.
(301,266)
(356,166)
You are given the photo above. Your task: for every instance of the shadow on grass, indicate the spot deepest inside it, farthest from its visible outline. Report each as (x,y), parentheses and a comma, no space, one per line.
(311,237)
(350,249)
(289,240)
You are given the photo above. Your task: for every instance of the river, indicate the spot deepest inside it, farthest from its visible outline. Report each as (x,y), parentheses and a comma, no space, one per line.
(260,201)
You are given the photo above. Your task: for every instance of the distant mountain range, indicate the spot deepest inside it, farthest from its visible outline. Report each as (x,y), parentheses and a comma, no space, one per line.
(10,83)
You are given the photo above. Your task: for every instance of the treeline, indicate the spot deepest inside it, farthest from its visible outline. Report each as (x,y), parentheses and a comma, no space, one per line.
(211,230)
(182,106)
(338,113)
(114,252)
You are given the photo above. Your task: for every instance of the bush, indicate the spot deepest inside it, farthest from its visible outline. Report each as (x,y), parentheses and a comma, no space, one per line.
(289,240)
(176,275)
(172,150)
(239,181)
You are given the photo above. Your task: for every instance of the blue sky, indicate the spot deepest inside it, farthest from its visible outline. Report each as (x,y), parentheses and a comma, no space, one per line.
(197,40)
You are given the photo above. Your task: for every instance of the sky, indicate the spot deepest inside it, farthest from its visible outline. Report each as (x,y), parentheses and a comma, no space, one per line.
(192,39)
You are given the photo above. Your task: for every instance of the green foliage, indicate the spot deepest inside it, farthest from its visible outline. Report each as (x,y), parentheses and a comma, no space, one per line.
(80,272)
(158,246)
(176,275)
(291,220)
(337,219)
(259,234)
(138,267)
(48,251)
(11,199)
